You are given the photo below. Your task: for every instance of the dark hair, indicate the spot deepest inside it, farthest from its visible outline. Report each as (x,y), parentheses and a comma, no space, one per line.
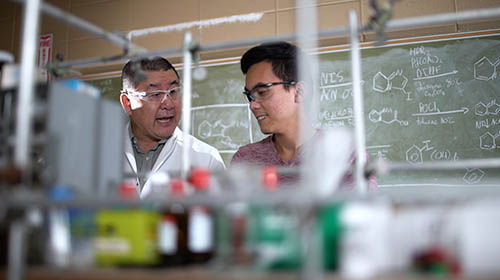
(132,72)
(283,57)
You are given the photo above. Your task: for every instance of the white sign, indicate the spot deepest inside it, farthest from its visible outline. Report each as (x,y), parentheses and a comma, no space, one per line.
(44,55)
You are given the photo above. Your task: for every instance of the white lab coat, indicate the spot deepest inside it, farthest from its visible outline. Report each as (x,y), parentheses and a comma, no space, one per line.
(170,158)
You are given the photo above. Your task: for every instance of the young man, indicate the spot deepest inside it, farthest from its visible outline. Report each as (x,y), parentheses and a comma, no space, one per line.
(151,96)
(276,99)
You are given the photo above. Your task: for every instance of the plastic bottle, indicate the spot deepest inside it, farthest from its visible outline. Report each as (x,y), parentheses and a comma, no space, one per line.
(82,87)
(172,226)
(274,230)
(200,221)
(58,252)
(238,233)
(172,236)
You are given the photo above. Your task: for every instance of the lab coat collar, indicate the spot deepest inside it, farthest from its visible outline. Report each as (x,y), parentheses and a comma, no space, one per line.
(165,153)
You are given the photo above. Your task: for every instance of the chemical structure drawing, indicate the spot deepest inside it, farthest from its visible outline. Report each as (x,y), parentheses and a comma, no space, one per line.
(485,70)
(218,129)
(473,176)
(396,80)
(491,108)
(387,116)
(488,141)
(415,155)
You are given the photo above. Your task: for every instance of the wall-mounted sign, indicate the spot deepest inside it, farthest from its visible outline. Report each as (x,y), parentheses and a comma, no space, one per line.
(44,55)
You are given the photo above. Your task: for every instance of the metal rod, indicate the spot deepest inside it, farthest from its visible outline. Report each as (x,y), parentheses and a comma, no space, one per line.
(26,88)
(341,31)
(186,103)
(64,16)
(306,25)
(285,197)
(17,249)
(289,197)
(309,239)
(358,106)
(179,51)
(384,167)
(94,61)
(307,72)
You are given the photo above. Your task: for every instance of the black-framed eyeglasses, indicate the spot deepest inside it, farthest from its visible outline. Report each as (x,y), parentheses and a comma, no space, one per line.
(261,92)
(157,96)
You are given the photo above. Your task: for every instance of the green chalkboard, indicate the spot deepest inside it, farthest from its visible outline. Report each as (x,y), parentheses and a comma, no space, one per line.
(109,86)
(424,101)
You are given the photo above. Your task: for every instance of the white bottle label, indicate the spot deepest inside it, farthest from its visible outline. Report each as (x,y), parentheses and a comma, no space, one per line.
(167,236)
(200,230)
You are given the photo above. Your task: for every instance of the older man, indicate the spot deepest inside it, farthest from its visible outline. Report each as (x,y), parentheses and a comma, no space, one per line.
(151,96)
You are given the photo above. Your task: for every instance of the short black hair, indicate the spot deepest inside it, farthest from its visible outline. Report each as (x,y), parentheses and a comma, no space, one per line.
(132,73)
(283,57)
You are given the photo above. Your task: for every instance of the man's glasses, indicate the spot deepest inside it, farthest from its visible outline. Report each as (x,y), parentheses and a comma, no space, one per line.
(157,96)
(261,92)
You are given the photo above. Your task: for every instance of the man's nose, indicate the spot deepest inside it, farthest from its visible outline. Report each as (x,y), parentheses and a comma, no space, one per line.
(254,105)
(167,101)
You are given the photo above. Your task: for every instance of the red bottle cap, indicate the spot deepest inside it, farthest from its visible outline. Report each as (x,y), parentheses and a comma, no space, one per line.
(127,190)
(200,178)
(177,187)
(270,177)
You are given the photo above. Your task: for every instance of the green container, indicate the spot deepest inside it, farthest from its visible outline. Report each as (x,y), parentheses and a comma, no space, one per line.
(330,229)
(126,237)
(275,238)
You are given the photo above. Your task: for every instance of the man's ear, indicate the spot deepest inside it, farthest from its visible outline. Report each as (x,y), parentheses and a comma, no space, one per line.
(125,103)
(300,88)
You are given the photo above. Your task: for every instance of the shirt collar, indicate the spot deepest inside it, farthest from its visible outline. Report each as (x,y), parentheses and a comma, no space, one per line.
(135,142)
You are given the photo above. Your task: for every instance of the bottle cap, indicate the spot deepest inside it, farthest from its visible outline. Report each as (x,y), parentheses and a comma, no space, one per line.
(200,178)
(177,187)
(270,177)
(127,190)
(61,193)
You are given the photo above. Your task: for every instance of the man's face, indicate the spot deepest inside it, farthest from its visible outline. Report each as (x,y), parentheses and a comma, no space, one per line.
(151,121)
(277,112)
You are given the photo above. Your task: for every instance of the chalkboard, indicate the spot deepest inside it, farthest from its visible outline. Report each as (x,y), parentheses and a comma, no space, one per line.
(109,86)
(424,101)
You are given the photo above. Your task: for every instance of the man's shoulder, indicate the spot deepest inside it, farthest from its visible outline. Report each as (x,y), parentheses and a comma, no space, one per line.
(255,153)
(256,146)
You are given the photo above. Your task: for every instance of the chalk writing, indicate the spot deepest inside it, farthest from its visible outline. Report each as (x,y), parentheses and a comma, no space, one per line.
(396,80)
(334,92)
(485,69)
(490,108)
(488,141)
(473,176)
(430,90)
(427,109)
(328,78)
(378,151)
(387,116)
(487,123)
